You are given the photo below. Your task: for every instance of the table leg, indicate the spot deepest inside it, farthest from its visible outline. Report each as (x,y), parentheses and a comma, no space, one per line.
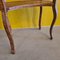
(7,28)
(54,19)
(40,16)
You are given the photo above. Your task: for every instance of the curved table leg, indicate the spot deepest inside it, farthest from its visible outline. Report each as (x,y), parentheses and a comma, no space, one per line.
(40,16)
(7,28)
(54,19)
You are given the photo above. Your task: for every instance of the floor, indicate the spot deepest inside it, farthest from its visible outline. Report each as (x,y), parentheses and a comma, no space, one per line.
(31,44)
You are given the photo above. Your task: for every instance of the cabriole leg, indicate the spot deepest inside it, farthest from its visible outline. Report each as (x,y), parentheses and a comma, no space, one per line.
(7,28)
(54,19)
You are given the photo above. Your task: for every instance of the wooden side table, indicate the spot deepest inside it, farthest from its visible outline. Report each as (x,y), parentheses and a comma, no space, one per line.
(6,6)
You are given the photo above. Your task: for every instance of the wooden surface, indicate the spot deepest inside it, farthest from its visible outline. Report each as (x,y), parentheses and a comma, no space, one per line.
(16,3)
(27,3)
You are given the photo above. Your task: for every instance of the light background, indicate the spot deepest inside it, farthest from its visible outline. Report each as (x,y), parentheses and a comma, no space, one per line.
(28,17)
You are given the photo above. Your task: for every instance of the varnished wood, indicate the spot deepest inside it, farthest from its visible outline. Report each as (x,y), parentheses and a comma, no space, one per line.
(6,6)
(40,16)
(7,26)
(8,31)
(54,18)
(36,3)
(27,3)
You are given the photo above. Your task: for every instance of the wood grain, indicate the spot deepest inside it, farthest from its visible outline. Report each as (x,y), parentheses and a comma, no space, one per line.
(28,3)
